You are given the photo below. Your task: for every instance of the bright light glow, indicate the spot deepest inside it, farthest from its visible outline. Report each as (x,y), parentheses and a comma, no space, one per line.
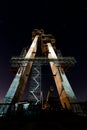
(32,47)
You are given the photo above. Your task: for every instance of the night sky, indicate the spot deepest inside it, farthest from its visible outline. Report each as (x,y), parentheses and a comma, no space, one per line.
(66,20)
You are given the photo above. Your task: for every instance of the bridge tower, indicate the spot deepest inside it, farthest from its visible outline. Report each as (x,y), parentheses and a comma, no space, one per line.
(42,51)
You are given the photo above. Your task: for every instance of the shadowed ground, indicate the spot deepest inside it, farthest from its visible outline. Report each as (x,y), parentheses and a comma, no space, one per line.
(45,120)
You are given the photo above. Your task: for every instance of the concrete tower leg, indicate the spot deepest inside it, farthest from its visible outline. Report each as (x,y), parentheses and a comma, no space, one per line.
(66,94)
(18,84)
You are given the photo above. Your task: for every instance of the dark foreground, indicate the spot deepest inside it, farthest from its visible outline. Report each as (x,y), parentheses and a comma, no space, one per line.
(45,120)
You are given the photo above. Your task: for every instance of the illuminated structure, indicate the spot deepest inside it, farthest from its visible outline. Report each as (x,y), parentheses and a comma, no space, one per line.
(42,51)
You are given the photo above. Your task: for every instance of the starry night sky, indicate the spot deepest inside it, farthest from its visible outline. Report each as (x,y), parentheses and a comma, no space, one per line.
(66,20)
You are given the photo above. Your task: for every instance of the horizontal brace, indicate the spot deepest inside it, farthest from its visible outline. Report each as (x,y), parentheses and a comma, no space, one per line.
(40,59)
